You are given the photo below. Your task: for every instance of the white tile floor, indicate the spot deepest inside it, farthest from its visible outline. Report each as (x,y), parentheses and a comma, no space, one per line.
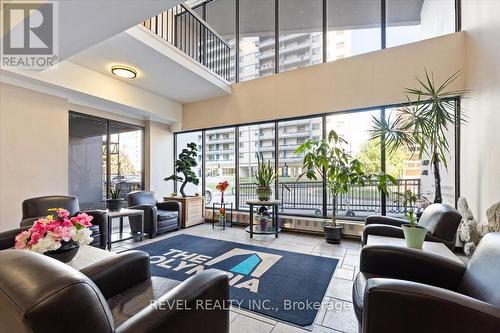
(338,316)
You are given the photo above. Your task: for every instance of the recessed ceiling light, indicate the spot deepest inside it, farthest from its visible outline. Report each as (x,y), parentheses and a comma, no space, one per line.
(124,72)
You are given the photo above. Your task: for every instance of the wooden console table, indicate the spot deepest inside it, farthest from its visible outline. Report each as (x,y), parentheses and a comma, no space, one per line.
(193,210)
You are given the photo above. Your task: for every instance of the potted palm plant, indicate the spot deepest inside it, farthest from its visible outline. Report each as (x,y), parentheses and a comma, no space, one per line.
(265,176)
(414,234)
(421,126)
(327,160)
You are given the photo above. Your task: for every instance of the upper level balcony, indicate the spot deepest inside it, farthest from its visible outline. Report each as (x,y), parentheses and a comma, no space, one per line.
(184,29)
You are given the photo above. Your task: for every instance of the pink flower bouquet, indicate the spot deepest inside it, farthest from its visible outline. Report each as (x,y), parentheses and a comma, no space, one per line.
(48,233)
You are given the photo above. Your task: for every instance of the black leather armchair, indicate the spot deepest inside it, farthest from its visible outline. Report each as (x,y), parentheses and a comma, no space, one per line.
(440,220)
(35,208)
(41,294)
(406,290)
(158,217)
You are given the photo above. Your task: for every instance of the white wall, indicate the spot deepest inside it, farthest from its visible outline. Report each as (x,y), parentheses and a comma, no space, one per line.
(33,149)
(480,162)
(159,142)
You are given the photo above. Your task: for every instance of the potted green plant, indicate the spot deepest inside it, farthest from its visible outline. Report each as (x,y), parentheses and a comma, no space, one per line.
(114,203)
(414,234)
(421,126)
(265,176)
(327,160)
(184,165)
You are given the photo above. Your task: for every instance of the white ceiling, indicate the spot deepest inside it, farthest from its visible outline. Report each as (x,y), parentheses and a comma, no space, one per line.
(161,68)
(84,23)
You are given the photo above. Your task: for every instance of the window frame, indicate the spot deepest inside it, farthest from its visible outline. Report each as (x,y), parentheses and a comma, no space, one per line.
(324,18)
(108,141)
(382,109)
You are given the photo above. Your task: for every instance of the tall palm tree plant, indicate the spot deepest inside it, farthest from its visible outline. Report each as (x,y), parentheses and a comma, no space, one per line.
(421,126)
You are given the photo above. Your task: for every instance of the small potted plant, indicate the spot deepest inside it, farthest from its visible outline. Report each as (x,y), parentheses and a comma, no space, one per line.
(222,187)
(265,177)
(57,235)
(414,234)
(264,217)
(114,203)
(327,159)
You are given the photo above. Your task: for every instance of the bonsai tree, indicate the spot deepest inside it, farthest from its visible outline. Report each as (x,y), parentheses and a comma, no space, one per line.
(327,159)
(184,165)
(421,125)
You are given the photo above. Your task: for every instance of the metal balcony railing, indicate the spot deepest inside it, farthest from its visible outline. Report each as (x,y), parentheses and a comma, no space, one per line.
(183,28)
(308,196)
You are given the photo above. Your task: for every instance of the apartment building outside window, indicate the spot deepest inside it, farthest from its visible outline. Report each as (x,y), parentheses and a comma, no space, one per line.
(297,36)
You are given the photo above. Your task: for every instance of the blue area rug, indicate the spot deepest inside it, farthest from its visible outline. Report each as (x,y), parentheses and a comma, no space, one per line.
(285,285)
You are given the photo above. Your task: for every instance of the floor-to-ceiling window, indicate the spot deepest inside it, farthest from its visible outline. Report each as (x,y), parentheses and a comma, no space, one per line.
(315,31)
(256,43)
(354,27)
(255,142)
(413,20)
(231,154)
(220,15)
(220,164)
(96,165)
(415,173)
(300,34)
(182,141)
(298,194)
(125,157)
(355,127)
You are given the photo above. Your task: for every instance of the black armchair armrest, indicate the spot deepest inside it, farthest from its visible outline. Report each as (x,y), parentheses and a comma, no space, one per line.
(402,306)
(101,220)
(119,272)
(198,297)
(382,230)
(169,205)
(8,238)
(412,265)
(386,220)
(150,220)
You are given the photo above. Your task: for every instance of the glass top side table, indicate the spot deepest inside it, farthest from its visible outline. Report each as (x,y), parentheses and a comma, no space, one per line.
(274,229)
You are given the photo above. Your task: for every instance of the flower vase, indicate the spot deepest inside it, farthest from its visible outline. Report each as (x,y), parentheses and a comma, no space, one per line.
(222,220)
(222,198)
(66,252)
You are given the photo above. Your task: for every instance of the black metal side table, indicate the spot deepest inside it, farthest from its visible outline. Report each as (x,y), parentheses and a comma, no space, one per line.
(274,229)
(219,205)
(124,212)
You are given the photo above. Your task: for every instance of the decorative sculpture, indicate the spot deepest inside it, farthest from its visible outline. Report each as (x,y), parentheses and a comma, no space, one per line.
(468,229)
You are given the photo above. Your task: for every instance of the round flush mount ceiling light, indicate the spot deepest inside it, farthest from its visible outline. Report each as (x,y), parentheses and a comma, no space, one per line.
(124,72)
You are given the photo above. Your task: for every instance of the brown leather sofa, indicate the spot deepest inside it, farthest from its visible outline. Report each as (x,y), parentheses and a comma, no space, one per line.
(35,208)
(40,294)
(159,217)
(440,220)
(407,290)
